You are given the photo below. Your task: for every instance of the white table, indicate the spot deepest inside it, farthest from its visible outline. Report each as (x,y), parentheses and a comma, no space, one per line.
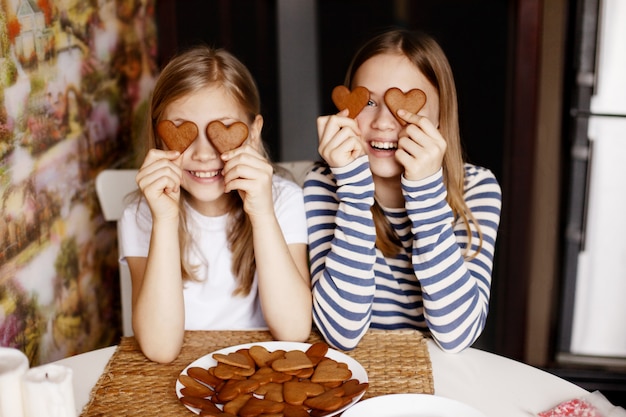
(497,386)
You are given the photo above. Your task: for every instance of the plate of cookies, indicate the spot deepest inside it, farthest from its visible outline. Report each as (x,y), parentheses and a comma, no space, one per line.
(411,405)
(287,378)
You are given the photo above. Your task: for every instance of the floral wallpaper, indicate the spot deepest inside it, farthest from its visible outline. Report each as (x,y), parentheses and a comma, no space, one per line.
(75,76)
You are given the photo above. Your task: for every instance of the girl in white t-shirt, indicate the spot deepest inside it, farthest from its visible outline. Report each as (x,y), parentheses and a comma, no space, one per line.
(213,241)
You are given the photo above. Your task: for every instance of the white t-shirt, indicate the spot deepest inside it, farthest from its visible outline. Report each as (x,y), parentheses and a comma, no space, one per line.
(209,303)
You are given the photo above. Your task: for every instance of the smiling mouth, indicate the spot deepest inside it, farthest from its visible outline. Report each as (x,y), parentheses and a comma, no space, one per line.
(205,174)
(384,146)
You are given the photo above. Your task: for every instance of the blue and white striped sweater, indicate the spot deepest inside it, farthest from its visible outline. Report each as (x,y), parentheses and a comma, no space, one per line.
(430,287)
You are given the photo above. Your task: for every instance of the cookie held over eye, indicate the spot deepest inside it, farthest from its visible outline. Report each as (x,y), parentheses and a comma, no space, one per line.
(226,138)
(412,101)
(177,138)
(353,100)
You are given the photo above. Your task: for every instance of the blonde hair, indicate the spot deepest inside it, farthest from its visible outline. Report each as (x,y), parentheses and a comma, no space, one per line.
(426,54)
(193,69)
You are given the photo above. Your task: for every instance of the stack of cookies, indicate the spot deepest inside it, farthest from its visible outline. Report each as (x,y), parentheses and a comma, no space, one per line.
(254,382)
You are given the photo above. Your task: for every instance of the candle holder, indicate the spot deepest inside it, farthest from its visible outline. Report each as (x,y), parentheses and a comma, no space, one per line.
(13,365)
(48,392)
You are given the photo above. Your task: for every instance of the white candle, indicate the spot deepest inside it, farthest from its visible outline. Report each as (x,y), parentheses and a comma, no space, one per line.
(13,365)
(48,392)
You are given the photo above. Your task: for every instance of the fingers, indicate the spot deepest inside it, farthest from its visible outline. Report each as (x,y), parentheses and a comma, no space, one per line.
(245,163)
(421,147)
(156,154)
(160,176)
(322,121)
(339,139)
(421,121)
(159,163)
(250,173)
(156,159)
(334,136)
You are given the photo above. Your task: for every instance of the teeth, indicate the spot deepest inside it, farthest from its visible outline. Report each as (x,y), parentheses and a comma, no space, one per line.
(384,145)
(205,174)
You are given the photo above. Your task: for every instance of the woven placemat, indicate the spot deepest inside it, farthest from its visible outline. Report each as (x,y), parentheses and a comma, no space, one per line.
(131,385)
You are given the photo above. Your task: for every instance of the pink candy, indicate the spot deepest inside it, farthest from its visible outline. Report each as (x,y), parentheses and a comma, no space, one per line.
(572,408)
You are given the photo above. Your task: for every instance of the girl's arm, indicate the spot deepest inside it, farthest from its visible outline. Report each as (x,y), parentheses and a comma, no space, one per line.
(282,269)
(283,282)
(455,289)
(157,296)
(341,250)
(157,289)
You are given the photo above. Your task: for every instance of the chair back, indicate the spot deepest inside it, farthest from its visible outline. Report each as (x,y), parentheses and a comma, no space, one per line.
(112,188)
(297,169)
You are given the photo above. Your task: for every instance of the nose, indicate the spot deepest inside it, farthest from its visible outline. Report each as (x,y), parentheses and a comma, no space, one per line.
(202,149)
(383,118)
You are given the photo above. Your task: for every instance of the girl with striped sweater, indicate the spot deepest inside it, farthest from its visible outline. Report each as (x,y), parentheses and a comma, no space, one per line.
(401,229)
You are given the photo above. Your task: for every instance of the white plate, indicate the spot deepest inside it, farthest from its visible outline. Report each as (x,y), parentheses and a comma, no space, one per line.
(411,405)
(207,361)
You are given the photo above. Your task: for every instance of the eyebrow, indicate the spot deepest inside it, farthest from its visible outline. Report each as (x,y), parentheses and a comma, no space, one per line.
(228,119)
(221,119)
(177,119)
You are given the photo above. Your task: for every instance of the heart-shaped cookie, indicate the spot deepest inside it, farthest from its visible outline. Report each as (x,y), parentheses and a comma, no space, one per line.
(267,374)
(330,400)
(193,388)
(204,404)
(263,357)
(330,370)
(257,406)
(353,387)
(294,360)
(177,138)
(237,359)
(233,388)
(316,352)
(203,375)
(412,101)
(353,100)
(232,407)
(271,391)
(225,371)
(225,138)
(296,392)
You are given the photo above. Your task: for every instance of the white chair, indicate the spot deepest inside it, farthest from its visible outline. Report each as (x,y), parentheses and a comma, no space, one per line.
(112,187)
(297,169)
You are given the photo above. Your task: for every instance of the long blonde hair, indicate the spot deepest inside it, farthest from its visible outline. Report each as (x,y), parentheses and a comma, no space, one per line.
(426,54)
(193,69)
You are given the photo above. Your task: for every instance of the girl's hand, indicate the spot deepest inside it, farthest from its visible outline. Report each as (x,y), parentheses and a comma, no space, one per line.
(339,139)
(248,172)
(420,147)
(159,180)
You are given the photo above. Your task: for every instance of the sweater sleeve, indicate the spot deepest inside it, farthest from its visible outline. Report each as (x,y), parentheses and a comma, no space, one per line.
(342,252)
(455,278)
